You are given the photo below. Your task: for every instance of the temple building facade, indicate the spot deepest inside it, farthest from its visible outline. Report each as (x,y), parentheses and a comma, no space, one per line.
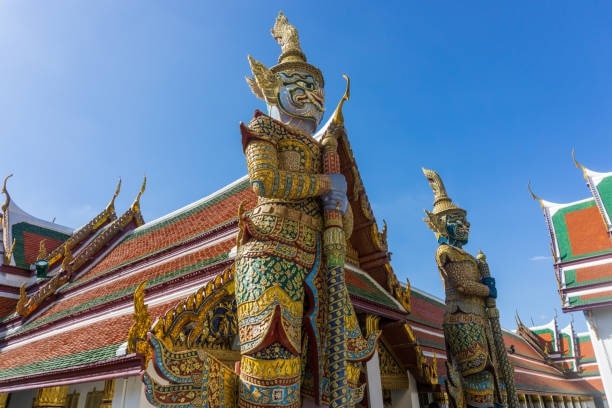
(123,298)
(218,304)
(581,245)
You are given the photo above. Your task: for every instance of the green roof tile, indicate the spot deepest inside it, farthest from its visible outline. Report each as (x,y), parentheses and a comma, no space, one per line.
(58,363)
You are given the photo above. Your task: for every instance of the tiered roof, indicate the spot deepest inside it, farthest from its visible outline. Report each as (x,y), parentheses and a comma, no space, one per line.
(21,235)
(581,244)
(75,326)
(79,328)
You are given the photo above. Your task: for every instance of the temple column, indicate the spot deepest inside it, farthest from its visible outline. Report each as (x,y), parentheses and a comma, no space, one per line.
(3,399)
(107,396)
(548,401)
(529,401)
(522,400)
(536,401)
(540,401)
(373,369)
(444,403)
(559,402)
(51,397)
(375,391)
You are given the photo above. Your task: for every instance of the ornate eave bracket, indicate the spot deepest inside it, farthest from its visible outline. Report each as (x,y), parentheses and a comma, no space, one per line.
(137,336)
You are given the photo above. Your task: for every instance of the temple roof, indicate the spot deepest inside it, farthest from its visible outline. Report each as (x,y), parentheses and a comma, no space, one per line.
(82,322)
(581,243)
(21,237)
(27,232)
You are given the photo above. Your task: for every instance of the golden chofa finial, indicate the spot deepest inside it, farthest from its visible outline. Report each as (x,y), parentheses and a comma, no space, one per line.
(117,191)
(136,204)
(5,192)
(534,196)
(580,166)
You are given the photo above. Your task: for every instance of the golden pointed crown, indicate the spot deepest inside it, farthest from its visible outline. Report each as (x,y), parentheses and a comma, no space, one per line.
(442,204)
(292,57)
(265,81)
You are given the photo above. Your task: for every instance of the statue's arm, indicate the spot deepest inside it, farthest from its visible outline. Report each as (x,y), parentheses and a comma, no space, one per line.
(471,287)
(269,181)
(459,277)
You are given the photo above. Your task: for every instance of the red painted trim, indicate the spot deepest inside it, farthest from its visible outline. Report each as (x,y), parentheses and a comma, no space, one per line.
(591,306)
(128,299)
(13,270)
(124,366)
(9,289)
(577,262)
(368,306)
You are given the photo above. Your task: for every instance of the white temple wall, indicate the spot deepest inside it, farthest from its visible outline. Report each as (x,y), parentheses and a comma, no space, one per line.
(599,322)
(130,392)
(374,382)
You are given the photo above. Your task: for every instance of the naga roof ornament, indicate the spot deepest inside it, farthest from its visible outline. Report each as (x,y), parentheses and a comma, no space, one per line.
(8,248)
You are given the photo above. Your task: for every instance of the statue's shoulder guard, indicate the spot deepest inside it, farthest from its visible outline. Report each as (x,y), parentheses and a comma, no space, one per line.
(262,127)
(448,253)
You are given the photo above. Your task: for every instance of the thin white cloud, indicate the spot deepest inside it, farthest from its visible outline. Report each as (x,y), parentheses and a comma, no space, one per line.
(539,258)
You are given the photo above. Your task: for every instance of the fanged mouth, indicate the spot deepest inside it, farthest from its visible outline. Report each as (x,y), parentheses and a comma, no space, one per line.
(316,98)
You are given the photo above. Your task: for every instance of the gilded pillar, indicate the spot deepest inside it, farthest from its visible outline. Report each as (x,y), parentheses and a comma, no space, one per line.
(3,399)
(522,400)
(107,396)
(539,402)
(51,397)
(548,401)
(559,402)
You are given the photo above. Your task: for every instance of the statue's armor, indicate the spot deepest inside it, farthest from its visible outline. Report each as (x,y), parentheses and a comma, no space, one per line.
(465,324)
(280,246)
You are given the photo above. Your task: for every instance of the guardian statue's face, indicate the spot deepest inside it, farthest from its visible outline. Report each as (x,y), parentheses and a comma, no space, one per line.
(300,100)
(458,228)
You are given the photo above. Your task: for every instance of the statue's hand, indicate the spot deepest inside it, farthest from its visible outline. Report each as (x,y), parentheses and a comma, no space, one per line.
(490,282)
(335,198)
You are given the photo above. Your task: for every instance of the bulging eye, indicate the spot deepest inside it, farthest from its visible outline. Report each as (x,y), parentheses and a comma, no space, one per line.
(306,85)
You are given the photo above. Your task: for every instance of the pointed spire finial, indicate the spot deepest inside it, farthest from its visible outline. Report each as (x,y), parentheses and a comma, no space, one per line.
(5,192)
(136,204)
(534,196)
(580,166)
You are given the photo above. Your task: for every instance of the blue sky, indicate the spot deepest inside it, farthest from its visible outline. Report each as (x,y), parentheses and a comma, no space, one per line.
(490,94)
